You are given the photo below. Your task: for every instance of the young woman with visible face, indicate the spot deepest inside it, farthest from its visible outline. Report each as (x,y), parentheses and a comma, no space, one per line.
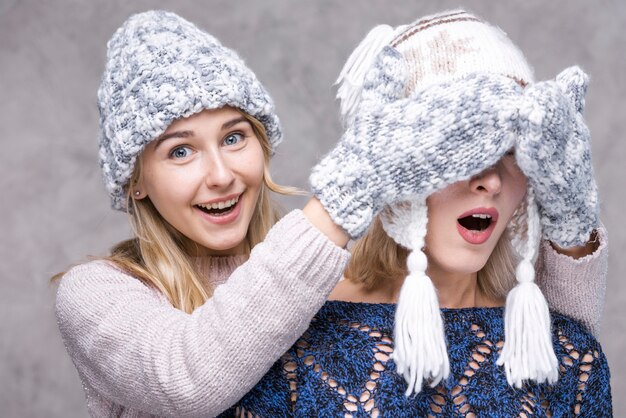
(348,363)
(198,197)
(184,318)
(465,223)
(204,176)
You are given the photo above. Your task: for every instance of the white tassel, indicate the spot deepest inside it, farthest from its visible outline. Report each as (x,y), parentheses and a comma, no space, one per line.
(420,346)
(352,75)
(528,353)
(419,340)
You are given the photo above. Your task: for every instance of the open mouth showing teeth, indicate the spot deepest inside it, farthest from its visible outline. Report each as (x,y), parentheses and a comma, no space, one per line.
(476,222)
(219,208)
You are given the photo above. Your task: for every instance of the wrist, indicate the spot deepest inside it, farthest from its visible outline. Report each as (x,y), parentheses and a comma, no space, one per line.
(320,218)
(581,251)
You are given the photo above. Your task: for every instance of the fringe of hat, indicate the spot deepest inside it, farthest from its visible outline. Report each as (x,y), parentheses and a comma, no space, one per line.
(527,353)
(420,346)
(420,351)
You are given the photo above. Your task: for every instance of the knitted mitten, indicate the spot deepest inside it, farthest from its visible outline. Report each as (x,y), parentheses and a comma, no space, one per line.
(555,154)
(398,148)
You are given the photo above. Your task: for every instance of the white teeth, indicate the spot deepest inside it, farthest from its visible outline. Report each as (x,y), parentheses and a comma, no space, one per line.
(220,205)
(481,216)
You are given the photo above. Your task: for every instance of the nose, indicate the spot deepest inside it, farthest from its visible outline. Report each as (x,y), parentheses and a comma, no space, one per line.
(218,173)
(487,182)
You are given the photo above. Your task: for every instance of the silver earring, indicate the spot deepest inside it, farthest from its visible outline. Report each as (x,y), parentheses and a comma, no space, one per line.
(137,193)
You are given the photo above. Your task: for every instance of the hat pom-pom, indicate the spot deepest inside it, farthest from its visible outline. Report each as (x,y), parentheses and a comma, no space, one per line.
(420,349)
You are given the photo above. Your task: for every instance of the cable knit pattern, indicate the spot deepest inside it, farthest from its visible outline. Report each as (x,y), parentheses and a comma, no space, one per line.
(343,367)
(160,68)
(137,356)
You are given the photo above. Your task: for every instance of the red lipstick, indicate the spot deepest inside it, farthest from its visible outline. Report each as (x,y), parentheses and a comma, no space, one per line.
(469,224)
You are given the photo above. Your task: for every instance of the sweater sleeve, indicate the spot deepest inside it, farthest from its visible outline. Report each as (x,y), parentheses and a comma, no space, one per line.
(575,287)
(138,351)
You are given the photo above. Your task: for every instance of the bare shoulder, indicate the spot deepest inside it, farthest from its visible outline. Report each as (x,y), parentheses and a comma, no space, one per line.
(343,290)
(349,291)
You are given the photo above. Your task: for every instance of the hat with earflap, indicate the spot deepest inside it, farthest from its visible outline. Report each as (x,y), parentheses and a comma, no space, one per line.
(160,68)
(472,58)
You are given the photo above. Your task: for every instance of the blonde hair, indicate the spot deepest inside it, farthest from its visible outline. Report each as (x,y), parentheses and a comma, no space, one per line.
(377,257)
(157,255)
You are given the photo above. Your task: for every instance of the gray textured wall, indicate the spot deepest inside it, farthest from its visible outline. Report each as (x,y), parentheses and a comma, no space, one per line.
(54,208)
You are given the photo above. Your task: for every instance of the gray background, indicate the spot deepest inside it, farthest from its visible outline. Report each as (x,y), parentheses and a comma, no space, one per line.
(53,205)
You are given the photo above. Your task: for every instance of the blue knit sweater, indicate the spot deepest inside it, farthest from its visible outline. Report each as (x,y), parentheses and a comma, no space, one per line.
(341,367)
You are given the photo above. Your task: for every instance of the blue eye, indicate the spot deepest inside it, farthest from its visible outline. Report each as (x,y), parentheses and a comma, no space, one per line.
(180,152)
(233,139)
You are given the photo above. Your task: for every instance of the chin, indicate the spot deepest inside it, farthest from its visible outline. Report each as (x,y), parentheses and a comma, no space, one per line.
(229,245)
(226,247)
(459,264)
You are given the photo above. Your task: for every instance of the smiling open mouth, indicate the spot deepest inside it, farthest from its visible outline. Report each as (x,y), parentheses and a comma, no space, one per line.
(219,208)
(476,222)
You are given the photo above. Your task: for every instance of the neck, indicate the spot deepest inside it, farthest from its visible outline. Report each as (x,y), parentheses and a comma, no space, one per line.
(456,290)
(193,249)
(459,290)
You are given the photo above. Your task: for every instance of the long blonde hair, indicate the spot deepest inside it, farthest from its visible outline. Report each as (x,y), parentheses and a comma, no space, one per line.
(377,257)
(157,255)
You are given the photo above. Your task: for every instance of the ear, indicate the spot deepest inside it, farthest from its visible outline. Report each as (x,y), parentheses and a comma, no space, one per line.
(137,189)
(138,194)
(574,81)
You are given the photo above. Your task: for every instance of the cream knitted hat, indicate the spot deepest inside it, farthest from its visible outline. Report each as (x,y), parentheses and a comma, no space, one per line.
(447,47)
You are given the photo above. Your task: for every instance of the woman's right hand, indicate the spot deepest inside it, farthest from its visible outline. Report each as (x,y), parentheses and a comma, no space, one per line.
(398,148)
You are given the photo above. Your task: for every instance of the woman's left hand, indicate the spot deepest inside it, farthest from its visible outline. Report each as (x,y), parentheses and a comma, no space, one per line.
(554,151)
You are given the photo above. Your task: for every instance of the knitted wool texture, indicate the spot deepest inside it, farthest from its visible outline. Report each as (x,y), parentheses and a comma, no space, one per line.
(395,152)
(99,325)
(556,158)
(449,90)
(160,68)
(342,366)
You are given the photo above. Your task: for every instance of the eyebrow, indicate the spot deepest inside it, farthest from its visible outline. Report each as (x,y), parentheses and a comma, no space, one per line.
(175,134)
(234,122)
(186,134)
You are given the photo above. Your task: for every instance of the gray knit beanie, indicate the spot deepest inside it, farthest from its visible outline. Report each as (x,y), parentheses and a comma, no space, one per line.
(161,68)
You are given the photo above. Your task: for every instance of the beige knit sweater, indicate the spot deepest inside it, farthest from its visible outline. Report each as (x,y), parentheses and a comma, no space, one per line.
(137,356)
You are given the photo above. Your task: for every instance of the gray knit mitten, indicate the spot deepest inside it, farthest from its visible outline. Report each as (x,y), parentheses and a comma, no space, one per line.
(397,148)
(555,154)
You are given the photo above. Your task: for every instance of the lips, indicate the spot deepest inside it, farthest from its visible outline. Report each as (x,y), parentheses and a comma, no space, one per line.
(477,225)
(222,210)
(218,207)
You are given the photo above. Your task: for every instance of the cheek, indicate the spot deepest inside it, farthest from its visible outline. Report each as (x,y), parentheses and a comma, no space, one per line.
(519,188)
(517,181)
(252,165)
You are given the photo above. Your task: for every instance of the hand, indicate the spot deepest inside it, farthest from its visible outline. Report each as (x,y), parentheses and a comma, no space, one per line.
(399,148)
(555,154)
